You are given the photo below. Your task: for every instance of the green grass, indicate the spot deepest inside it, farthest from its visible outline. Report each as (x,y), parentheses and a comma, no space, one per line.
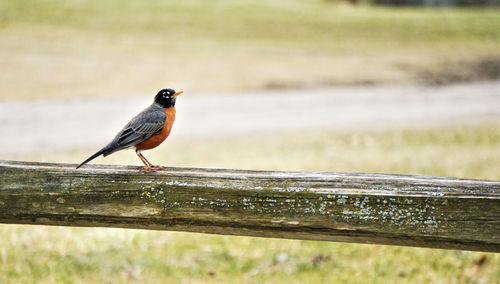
(312,25)
(76,255)
(95,48)
(81,255)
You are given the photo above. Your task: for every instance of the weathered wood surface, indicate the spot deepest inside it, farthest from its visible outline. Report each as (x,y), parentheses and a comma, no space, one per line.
(421,211)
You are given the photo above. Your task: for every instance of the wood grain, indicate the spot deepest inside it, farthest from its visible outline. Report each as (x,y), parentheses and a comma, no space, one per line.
(421,211)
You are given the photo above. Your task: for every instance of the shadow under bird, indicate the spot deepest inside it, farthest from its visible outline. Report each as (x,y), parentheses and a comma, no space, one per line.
(146,130)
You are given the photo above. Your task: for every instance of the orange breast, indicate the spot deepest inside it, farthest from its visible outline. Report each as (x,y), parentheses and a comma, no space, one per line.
(159,137)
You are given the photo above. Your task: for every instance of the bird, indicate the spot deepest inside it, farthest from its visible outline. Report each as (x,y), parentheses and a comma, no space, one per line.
(146,130)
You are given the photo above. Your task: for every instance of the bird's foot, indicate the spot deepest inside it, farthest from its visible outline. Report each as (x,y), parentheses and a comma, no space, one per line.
(152,168)
(148,170)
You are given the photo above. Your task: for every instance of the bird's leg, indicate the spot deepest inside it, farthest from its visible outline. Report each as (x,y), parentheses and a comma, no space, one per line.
(149,166)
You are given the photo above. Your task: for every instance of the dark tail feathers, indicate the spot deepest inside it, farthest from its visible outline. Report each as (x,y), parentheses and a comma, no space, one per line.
(104,151)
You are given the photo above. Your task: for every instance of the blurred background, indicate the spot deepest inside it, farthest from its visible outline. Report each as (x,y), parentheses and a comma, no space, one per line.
(383,86)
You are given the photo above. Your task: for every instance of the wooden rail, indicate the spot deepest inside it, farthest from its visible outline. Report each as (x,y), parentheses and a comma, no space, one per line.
(406,210)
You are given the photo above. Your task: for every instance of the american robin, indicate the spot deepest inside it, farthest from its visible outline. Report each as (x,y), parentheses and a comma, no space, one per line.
(146,130)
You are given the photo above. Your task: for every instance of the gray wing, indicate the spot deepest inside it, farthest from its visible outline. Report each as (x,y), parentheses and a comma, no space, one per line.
(143,126)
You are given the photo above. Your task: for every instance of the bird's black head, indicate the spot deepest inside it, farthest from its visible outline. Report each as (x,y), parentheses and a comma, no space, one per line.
(166,97)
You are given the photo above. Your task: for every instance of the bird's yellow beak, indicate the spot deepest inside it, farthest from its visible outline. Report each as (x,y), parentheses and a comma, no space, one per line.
(178,93)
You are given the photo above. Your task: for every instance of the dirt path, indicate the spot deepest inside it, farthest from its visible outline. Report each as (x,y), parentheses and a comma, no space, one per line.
(84,123)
